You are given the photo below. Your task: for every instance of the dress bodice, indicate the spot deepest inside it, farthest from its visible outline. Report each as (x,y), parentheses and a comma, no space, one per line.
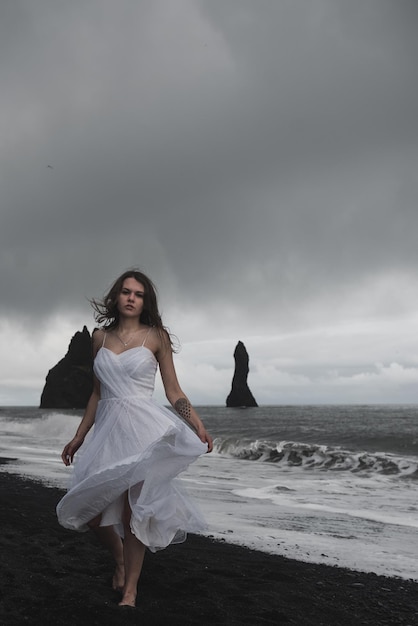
(130,373)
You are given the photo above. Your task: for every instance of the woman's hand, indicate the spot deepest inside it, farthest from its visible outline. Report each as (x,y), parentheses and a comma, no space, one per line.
(204,436)
(70,450)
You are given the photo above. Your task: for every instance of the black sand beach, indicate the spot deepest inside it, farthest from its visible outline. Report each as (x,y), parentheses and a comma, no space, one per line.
(52,576)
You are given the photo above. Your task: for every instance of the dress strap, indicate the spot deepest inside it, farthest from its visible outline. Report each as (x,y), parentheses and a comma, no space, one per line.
(104,338)
(146,336)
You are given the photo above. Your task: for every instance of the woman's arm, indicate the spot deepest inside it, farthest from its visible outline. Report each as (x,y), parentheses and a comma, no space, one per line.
(89,414)
(175,394)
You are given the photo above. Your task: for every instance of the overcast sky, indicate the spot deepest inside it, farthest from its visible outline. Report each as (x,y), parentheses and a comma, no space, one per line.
(257,158)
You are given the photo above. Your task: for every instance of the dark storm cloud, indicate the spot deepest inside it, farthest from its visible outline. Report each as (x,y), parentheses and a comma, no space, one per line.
(257,153)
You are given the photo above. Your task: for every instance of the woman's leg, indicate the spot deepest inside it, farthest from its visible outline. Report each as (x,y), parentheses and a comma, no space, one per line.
(109,538)
(133,552)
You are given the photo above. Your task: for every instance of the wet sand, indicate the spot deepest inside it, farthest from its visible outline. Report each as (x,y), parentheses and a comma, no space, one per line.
(49,575)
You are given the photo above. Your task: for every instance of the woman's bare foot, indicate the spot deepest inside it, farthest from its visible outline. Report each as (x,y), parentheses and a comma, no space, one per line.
(129,599)
(118,580)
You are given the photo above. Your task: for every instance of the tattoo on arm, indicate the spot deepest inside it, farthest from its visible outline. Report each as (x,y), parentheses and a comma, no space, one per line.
(183,408)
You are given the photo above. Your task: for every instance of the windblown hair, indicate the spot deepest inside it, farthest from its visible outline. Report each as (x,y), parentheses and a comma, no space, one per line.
(106,310)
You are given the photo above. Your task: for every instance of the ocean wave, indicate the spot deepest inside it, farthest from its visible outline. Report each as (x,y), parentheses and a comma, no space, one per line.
(315,456)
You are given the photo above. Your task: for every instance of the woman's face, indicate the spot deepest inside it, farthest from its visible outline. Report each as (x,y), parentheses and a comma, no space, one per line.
(131,298)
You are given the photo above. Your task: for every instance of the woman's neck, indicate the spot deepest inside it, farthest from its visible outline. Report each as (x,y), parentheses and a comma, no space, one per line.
(128,326)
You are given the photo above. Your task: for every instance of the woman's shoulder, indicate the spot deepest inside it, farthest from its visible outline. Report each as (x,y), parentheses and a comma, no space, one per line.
(98,333)
(158,339)
(98,336)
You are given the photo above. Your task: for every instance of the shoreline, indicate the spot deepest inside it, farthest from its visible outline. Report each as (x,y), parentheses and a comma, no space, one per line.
(52,575)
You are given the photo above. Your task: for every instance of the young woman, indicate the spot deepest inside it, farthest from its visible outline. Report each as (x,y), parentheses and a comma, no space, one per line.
(122,484)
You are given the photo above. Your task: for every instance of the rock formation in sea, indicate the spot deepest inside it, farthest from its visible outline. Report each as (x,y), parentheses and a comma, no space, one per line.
(240,395)
(69,384)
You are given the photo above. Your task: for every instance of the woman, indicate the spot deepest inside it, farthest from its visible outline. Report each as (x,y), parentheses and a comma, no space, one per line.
(122,485)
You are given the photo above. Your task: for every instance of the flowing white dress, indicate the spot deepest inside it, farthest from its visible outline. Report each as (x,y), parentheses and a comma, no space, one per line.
(137,447)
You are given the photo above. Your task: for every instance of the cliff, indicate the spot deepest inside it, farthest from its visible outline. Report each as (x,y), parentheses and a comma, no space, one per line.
(69,384)
(240,395)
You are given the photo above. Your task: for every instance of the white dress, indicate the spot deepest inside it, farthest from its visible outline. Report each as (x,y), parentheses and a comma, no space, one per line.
(136,446)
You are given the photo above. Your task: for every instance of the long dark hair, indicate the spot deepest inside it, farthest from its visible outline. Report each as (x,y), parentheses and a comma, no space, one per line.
(106,310)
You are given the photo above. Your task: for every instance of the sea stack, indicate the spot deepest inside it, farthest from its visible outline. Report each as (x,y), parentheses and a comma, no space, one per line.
(70,382)
(240,395)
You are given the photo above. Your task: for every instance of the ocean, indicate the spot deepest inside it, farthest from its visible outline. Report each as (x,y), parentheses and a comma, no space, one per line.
(325,484)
